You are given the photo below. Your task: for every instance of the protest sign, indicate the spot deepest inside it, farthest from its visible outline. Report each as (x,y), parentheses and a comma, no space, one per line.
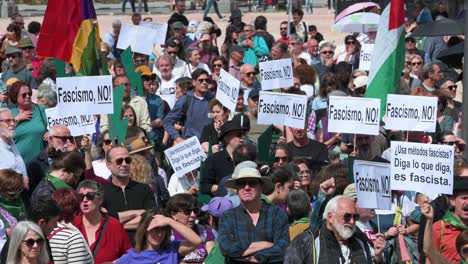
(160,28)
(84,95)
(411,113)
(424,168)
(228,90)
(140,39)
(276,74)
(186,156)
(354,115)
(78,124)
(365,59)
(282,109)
(372,181)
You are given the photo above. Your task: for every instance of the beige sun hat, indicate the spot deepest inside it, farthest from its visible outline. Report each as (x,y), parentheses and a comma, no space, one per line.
(249,173)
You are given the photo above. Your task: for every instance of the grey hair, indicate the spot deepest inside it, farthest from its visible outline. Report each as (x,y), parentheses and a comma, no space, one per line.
(328,44)
(189,52)
(91,184)
(332,204)
(116,23)
(250,25)
(416,56)
(164,57)
(19,233)
(49,95)
(427,68)
(4,109)
(52,129)
(296,37)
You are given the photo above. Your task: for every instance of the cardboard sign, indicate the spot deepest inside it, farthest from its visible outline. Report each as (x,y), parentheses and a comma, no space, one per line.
(372,181)
(140,39)
(186,156)
(78,124)
(276,74)
(161,30)
(282,109)
(354,115)
(84,95)
(411,113)
(424,168)
(228,90)
(365,59)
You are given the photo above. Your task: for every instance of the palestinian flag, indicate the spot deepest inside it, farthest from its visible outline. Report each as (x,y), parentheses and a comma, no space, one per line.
(389,54)
(70,33)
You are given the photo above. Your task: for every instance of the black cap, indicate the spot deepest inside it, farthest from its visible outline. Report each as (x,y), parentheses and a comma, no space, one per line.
(240,122)
(254,92)
(460,184)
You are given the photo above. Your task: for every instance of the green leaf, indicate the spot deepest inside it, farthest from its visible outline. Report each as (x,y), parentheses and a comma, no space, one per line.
(118,126)
(134,77)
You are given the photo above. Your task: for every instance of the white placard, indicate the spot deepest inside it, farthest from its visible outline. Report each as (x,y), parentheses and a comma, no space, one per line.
(87,95)
(365,59)
(140,39)
(282,109)
(78,124)
(424,168)
(228,90)
(354,115)
(276,74)
(372,180)
(411,113)
(160,28)
(186,156)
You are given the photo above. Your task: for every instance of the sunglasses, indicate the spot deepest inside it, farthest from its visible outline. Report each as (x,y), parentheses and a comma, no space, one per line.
(64,139)
(217,65)
(327,52)
(416,63)
(30,242)
(127,160)
(451,143)
(249,74)
(89,196)
(13,56)
(188,211)
(451,87)
(284,28)
(277,159)
(350,42)
(243,183)
(347,217)
(203,80)
(107,141)
(23,95)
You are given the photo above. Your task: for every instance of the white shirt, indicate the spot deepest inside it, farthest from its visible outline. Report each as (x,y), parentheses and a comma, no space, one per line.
(11,158)
(306,56)
(178,71)
(167,90)
(189,68)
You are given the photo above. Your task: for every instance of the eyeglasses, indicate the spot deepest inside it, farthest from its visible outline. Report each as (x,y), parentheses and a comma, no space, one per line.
(278,159)
(9,121)
(89,196)
(23,95)
(107,141)
(64,139)
(245,182)
(15,193)
(327,52)
(416,63)
(217,65)
(347,216)
(31,242)
(249,74)
(188,211)
(203,80)
(451,87)
(127,160)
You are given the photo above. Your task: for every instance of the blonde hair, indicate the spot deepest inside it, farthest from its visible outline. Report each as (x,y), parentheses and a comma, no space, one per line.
(140,169)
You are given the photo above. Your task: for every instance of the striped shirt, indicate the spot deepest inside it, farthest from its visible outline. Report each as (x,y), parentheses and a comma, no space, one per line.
(68,245)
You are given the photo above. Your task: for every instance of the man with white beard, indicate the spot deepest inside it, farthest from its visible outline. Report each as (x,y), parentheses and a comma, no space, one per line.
(337,240)
(11,158)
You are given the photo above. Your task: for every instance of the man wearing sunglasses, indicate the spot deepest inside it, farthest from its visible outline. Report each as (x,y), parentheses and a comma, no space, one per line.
(249,81)
(124,198)
(17,67)
(410,46)
(336,241)
(327,50)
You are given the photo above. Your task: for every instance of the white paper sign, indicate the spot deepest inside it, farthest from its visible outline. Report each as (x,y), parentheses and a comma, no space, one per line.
(186,156)
(78,124)
(276,74)
(354,115)
(282,109)
(372,181)
(411,113)
(425,168)
(140,39)
(365,59)
(84,95)
(161,30)
(228,90)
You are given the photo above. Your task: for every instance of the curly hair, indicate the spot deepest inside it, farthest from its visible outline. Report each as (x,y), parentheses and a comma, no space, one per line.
(140,169)
(306,74)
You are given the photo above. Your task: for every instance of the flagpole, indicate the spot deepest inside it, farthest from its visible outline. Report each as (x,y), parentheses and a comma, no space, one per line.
(465,94)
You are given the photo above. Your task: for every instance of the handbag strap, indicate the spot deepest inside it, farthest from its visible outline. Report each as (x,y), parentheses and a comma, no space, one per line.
(101,234)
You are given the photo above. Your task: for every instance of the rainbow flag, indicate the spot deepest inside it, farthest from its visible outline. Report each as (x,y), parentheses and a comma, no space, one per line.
(70,33)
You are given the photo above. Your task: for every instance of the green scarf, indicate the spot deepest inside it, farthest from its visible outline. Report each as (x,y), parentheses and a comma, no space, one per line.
(453,221)
(302,220)
(15,208)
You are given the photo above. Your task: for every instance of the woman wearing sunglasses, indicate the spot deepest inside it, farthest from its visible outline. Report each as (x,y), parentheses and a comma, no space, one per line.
(183,209)
(104,234)
(31,121)
(27,245)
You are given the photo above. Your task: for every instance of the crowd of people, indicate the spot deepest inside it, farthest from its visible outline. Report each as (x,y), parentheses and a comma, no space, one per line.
(89,199)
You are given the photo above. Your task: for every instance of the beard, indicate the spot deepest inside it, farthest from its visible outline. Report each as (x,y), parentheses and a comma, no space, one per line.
(10,134)
(345,231)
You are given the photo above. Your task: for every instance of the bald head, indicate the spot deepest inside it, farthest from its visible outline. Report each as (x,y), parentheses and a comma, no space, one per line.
(247,72)
(60,138)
